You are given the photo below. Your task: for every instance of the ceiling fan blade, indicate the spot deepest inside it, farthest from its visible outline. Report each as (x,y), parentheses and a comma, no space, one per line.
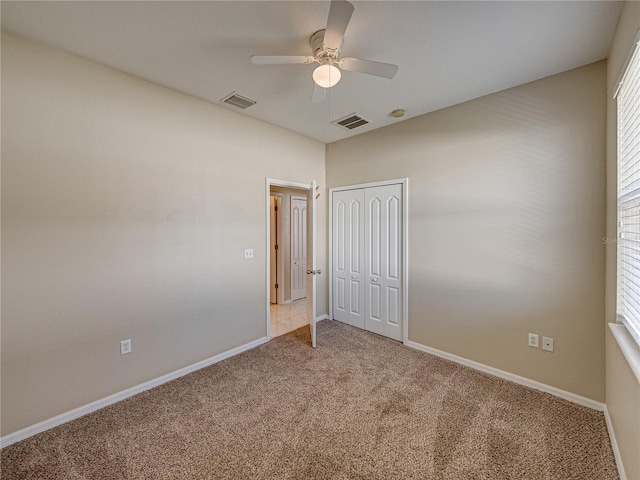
(378,69)
(280,59)
(319,94)
(339,16)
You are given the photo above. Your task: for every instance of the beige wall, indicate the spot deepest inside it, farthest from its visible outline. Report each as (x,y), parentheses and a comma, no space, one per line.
(623,390)
(125,211)
(506,219)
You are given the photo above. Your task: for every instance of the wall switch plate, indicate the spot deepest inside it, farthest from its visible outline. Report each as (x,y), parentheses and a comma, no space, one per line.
(248,253)
(547,344)
(534,340)
(125,346)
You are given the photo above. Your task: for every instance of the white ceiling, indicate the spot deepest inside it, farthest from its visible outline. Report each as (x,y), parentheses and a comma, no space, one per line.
(447,52)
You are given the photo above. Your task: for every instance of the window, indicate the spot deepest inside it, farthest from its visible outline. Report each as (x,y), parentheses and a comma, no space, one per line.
(628,98)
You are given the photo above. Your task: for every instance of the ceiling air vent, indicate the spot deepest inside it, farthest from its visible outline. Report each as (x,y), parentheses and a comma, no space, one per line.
(352,121)
(237,100)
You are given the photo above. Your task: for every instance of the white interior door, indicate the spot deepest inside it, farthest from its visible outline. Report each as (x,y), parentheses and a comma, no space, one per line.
(312,267)
(383,254)
(374,259)
(348,259)
(367,258)
(298,248)
(393,282)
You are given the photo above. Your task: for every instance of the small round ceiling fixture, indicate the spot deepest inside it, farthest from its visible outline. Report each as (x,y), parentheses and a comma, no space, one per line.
(398,113)
(327,75)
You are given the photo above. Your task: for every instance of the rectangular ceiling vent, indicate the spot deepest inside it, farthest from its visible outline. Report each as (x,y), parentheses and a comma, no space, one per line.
(352,121)
(237,100)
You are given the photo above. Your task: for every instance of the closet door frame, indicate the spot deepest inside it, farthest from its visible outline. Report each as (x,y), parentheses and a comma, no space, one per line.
(405,245)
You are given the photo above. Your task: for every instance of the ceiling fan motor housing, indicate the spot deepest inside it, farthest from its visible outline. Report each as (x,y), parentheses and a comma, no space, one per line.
(323,54)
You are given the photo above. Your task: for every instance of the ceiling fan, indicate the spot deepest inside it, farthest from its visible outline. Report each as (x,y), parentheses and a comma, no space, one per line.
(326,46)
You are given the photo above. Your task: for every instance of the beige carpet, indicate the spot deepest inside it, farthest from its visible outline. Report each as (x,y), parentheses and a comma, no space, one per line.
(360,406)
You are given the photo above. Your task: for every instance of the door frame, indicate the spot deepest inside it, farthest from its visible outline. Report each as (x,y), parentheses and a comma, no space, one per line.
(280,260)
(272,182)
(405,245)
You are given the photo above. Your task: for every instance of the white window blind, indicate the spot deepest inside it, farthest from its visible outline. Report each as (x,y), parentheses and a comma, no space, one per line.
(628,97)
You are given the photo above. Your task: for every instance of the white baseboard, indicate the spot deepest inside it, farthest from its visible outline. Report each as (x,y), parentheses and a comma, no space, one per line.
(614,445)
(572,397)
(116,397)
(321,317)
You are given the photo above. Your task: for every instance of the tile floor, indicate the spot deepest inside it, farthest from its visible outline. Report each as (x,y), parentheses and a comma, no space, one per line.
(285,318)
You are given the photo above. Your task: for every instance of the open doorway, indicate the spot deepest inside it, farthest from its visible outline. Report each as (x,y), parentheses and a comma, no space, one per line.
(290,241)
(288,259)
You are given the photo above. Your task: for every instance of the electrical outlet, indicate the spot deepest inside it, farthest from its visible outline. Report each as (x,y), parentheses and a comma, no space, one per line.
(534,340)
(547,344)
(248,253)
(125,346)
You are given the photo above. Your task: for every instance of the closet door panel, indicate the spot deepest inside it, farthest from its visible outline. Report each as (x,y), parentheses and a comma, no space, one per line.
(339,259)
(374,304)
(356,218)
(348,246)
(393,238)
(354,300)
(393,306)
(367,257)
(339,297)
(356,286)
(374,259)
(374,235)
(355,233)
(393,261)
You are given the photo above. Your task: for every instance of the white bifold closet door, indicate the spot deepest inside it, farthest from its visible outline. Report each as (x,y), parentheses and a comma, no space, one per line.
(348,257)
(383,260)
(367,258)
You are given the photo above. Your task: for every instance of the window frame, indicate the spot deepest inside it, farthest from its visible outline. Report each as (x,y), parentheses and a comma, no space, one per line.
(628,299)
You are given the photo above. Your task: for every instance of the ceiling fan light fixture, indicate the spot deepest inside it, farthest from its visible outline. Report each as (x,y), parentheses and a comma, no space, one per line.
(326,76)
